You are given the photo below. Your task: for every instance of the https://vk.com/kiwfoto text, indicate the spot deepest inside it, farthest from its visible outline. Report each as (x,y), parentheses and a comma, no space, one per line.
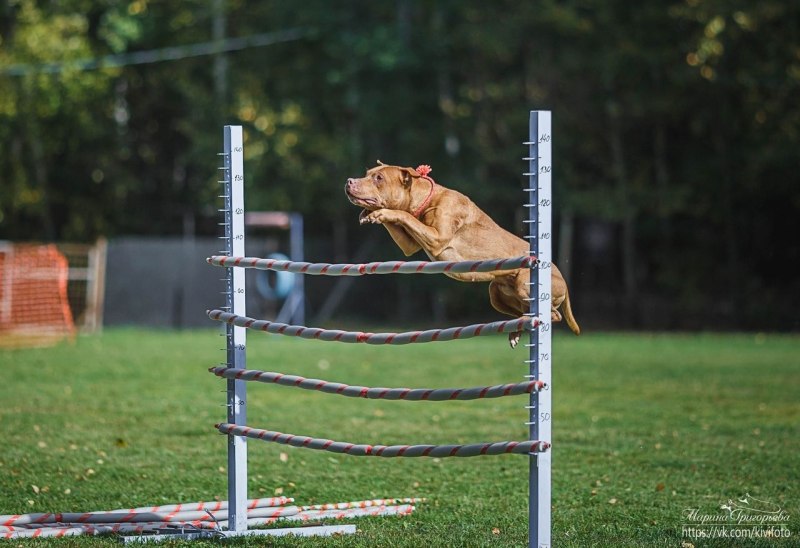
(747,517)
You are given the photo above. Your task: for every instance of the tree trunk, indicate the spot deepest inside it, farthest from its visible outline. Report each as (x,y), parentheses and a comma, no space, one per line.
(219,22)
(38,166)
(662,181)
(627,216)
(566,231)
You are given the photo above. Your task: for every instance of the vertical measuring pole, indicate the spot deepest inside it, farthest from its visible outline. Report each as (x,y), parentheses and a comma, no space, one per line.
(298,294)
(540,356)
(235,336)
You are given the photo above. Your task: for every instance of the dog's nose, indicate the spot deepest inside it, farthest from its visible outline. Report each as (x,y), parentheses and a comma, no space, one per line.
(351,182)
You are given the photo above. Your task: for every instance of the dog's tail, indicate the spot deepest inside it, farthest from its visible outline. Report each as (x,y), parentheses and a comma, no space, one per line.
(566,309)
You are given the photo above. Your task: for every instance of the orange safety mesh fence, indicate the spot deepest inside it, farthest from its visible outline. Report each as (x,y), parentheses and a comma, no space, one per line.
(34,309)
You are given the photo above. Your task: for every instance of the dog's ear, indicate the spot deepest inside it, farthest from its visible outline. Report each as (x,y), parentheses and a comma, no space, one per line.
(408,175)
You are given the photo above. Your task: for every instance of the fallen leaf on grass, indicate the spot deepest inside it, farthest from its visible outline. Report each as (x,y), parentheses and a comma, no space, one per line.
(495,531)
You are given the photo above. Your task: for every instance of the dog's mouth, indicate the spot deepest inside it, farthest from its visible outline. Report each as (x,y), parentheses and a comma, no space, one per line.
(370,204)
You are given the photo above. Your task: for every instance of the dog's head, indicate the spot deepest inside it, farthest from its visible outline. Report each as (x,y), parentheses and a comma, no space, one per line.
(383,187)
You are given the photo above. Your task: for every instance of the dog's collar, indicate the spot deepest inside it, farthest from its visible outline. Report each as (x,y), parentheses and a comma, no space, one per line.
(423,171)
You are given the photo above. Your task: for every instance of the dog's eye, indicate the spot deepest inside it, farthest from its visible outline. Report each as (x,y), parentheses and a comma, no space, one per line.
(379,178)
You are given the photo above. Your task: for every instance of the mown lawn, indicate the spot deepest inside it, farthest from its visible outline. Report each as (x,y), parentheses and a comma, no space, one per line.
(645,427)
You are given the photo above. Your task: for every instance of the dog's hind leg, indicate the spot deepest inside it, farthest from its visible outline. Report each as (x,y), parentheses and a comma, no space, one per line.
(505,305)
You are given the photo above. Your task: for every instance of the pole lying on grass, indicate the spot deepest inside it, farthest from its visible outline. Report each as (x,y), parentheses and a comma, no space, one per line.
(309,515)
(165,517)
(255,517)
(131,514)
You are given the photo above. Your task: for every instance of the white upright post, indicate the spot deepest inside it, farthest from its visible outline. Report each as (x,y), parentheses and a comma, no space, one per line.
(540,356)
(233,194)
(236,336)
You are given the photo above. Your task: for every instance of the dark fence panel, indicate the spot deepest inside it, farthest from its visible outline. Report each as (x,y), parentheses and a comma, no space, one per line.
(162,282)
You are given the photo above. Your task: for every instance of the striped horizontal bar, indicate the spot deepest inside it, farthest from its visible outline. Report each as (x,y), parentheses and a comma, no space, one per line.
(430,335)
(33,521)
(332,511)
(183,516)
(363,504)
(129,514)
(474,450)
(409,394)
(385,267)
(309,515)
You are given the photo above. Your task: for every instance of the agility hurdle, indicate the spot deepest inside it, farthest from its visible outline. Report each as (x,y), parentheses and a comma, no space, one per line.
(537,322)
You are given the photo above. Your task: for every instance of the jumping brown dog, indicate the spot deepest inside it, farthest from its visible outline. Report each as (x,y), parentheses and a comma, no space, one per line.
(448,226)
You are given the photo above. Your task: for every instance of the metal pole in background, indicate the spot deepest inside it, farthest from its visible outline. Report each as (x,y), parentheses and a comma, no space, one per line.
(540,356)
(298,295)
(235,336)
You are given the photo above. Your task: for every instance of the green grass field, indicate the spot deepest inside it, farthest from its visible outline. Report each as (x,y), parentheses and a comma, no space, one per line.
(645,427)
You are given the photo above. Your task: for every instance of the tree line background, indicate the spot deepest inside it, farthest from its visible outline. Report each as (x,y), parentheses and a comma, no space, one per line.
(676,134)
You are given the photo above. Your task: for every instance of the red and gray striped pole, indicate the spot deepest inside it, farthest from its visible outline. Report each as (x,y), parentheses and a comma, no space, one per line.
(407,394)
(430,335)
(361,450)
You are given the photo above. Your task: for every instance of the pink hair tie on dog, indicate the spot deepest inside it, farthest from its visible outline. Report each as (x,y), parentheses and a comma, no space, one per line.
(423,170)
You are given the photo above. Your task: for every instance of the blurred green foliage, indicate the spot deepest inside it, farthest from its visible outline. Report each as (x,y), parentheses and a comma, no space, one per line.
(676,123)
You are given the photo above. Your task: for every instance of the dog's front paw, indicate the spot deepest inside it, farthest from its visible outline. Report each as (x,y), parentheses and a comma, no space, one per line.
(513,339)
(369,217)
(378,217)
